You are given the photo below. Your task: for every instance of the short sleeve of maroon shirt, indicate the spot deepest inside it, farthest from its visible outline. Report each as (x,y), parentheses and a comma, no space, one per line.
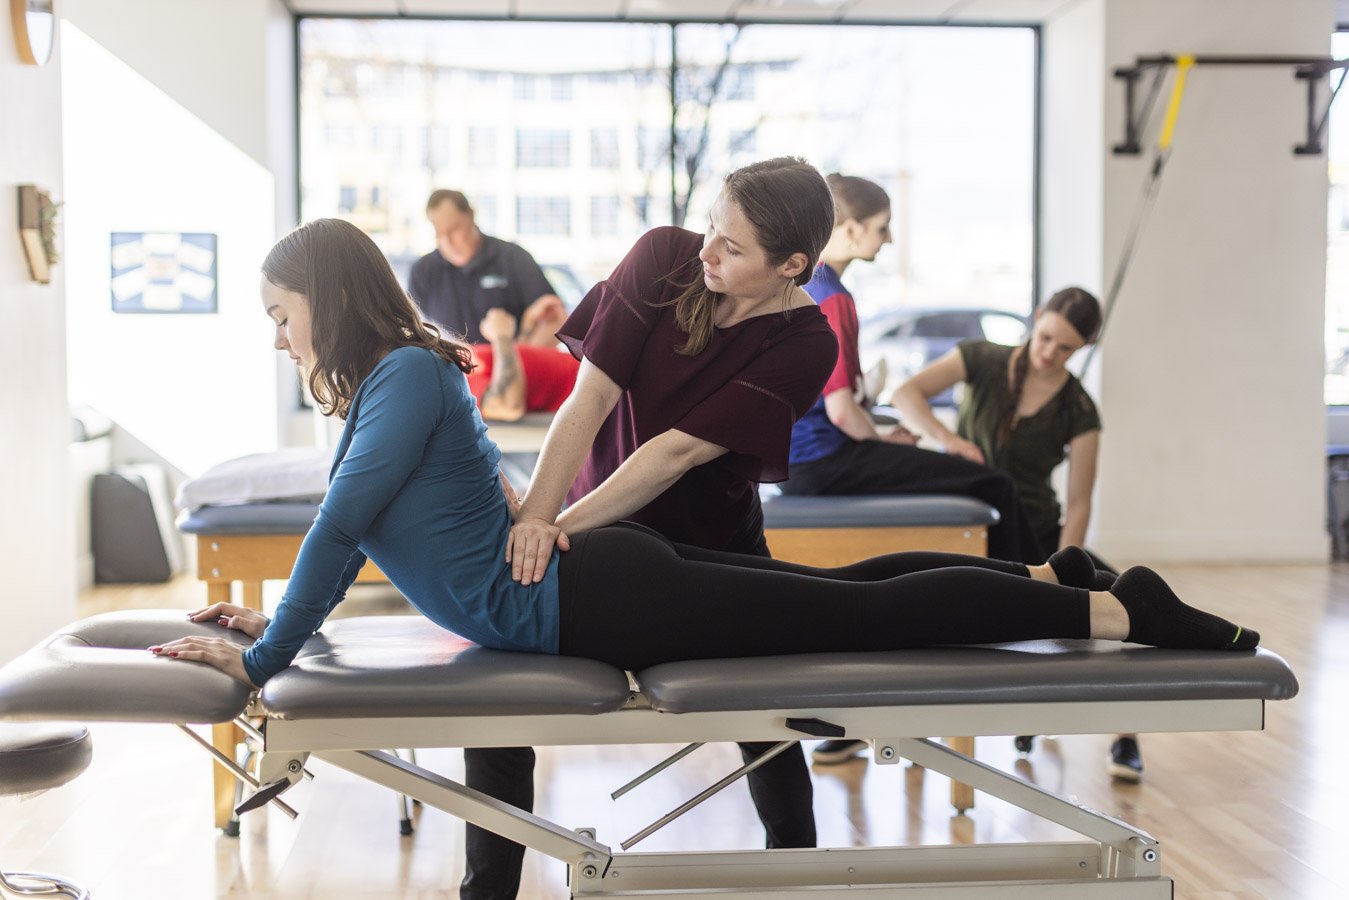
(744,391)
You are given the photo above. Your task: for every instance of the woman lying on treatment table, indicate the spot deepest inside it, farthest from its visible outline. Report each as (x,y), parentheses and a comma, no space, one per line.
(416,488)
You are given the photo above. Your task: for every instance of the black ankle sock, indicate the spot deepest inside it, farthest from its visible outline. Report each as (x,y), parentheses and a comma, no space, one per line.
(1158,617)
(1073,567)
(1103,580)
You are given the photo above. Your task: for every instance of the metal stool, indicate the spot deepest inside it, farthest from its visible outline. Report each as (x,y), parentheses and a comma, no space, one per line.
(34,758)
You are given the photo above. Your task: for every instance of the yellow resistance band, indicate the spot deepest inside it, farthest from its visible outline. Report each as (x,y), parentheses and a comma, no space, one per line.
(1183,64)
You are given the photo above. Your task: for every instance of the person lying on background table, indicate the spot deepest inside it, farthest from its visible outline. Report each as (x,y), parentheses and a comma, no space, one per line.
(510,379)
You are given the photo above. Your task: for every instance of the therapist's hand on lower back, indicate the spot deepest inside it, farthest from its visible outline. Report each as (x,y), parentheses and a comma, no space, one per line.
(529,548)
(223,653)
(958,446)
(239,618)
(901,435)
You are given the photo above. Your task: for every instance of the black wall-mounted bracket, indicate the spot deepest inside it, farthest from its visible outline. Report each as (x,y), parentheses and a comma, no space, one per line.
(1133,123)
(1313,69)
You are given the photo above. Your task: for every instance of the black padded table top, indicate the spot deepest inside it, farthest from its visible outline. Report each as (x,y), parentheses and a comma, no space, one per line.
(409,666)
(100,670)
(875,511)
(406,666)
(1025,672)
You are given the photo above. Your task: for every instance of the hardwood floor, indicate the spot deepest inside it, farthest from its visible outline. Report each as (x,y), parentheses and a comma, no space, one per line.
(1239,816)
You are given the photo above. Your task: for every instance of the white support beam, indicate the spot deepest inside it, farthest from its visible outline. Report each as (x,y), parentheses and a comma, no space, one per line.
(647,726)
(472,806)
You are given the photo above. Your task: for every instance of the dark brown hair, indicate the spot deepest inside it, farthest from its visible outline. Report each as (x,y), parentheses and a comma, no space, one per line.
(456,197)
(357,309)
(856,198)
(788,204)
(1083,312)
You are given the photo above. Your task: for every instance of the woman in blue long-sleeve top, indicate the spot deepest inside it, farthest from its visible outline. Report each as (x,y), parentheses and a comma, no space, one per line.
(415,486)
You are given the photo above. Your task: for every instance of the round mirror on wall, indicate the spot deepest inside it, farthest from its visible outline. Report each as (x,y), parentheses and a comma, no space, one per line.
(34,29)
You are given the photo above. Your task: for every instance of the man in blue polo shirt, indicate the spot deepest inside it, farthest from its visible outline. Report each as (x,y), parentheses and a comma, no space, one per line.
(470,273)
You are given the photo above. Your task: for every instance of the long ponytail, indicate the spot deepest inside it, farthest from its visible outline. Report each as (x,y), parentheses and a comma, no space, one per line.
(1019,368)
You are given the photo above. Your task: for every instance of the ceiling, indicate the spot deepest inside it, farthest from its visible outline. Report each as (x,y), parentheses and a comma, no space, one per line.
(925,11)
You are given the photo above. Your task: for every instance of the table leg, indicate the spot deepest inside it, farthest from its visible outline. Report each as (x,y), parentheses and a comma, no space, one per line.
(226,736)
(962,795)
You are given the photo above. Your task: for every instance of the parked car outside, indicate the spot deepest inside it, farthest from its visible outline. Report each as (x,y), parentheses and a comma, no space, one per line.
(570,286)
(909,339)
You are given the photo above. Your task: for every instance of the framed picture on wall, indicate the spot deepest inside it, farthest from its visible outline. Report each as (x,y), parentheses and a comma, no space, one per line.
(163,272)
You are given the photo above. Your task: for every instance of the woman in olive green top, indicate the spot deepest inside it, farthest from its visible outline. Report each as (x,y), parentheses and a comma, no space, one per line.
(1067,424)
(1023,412)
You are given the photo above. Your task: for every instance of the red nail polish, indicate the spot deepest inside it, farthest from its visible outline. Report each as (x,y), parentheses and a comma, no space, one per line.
(173,654)
(222,621)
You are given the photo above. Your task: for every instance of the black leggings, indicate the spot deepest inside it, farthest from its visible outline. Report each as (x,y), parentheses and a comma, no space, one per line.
(633,599)
(879,467)
(781,788)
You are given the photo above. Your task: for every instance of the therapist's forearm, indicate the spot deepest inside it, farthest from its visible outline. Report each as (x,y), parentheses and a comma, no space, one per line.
(1074,533)
(564,450)
(916,414)
(642,477)
(849,417)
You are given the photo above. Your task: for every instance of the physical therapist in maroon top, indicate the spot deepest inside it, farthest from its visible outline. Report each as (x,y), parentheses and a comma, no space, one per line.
(698,354)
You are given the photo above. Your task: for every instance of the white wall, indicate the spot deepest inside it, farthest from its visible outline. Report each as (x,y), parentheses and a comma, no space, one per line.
(1210,377)
(209,56)
(1072,147)
(37,544)
(221,137)
(198,389)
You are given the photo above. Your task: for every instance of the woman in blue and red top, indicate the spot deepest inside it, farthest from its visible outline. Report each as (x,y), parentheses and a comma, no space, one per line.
(836,448)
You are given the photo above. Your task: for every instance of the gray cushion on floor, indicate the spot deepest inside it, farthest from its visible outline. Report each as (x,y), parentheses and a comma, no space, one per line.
(40,756)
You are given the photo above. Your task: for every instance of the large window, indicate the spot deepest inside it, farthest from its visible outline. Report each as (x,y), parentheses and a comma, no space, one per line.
(543,148)
(568,126)
(543,216)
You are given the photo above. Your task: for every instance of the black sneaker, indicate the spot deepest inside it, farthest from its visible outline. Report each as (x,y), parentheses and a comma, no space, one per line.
(1126,760)
(831,753)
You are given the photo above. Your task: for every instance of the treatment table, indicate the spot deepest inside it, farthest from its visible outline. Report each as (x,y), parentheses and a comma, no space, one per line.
(364,684)
(254,542)
(834,530)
